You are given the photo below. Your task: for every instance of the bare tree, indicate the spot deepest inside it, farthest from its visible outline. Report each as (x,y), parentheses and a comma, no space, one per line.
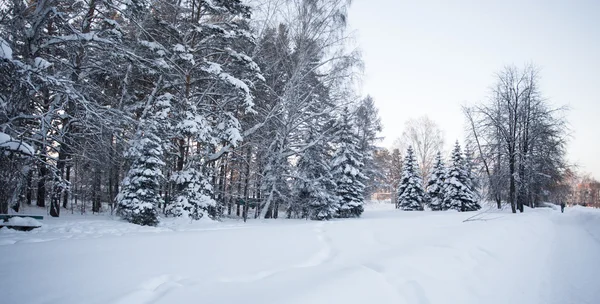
(520,139)
(426,138)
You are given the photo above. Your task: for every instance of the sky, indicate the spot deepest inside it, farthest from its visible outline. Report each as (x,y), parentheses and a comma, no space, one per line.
(429,57)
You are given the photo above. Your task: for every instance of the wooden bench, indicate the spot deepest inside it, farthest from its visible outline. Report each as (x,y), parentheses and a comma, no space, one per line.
(4,221)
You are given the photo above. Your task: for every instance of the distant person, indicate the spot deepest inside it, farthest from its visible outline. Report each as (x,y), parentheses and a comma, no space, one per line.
(562,207)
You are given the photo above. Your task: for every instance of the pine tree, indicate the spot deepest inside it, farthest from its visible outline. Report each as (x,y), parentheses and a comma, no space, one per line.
(435,185)
(411,194)
(314,188)
(369,125)
(457,194)
(195,200)
(346,168)
(139,197)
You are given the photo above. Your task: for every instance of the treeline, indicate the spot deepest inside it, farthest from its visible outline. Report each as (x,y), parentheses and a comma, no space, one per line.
(515,144)
(184,108)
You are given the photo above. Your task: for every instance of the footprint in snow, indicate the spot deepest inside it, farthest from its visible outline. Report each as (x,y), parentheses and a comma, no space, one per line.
(151,290)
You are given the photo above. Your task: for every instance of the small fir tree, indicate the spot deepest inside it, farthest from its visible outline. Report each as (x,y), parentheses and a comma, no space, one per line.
(457,195)
(435,185)
(195,200)
(411,194)
(139,197)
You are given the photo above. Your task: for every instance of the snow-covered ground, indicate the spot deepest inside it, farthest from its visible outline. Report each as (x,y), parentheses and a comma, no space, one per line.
(387,256)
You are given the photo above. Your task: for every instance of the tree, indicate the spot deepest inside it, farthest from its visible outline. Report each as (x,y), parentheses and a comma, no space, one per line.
(347,169)
(314,187)
(471,178)
(457,194)
(426,138)
(306,68)
(381,181)
(368,126)
(411,194)
(195,199)
(139,197)
(520,139)
(395,174)
(15,162)
(436,184)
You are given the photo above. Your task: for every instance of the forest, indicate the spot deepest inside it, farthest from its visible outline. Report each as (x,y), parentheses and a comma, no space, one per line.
(183,108)
(213,108)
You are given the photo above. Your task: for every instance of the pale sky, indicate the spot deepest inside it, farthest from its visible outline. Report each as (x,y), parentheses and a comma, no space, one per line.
(429,57)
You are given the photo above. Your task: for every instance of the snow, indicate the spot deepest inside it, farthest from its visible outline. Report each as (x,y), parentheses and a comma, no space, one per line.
(540,256)
(23,221)
(215,69)
(179,48)
(5,50)
(11,144)
(41,63)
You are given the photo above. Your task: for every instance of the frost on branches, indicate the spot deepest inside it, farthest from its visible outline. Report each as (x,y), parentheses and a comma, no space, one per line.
(346,168)
(471,178)
(435,185)
(458,195)
(411,194)
(195,200)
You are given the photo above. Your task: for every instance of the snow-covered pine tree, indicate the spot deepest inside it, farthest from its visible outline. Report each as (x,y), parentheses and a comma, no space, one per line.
(346,167)
(195,199)
(411,194)
(314,187)
(369,125)
(457,195)
(435,184)
(139,197)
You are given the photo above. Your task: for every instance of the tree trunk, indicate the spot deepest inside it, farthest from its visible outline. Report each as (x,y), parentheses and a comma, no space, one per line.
(41,186)
(68,180)
(221,184)
(96,192)
(246,181)
(512,195)
(55,200)
(28,197)
(181,156)
(239,183)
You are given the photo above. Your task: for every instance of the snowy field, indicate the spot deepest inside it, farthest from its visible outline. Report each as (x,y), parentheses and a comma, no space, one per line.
(387,256)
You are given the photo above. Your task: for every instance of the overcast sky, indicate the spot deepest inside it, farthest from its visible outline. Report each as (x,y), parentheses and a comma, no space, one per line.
(428,57)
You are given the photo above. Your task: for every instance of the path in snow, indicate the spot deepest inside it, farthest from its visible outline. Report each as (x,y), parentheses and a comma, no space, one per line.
(388,256)
(575,262)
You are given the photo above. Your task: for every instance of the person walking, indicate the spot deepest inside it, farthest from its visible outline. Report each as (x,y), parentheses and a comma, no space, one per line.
(562,207)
